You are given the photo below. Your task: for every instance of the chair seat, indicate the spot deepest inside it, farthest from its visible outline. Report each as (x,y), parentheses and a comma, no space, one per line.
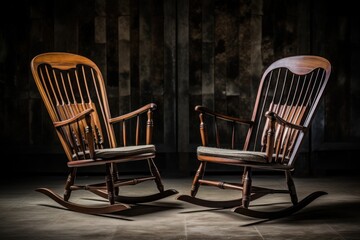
(111,153)
(243,156)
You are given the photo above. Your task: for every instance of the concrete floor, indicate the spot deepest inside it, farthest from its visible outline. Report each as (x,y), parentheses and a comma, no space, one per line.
(26,214)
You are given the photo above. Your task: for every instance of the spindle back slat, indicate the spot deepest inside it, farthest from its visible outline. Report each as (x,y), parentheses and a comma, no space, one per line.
(69,89)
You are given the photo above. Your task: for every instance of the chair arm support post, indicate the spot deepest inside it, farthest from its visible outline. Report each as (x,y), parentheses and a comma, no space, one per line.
(203,132)
(270,138)
(149,126)
(89,136)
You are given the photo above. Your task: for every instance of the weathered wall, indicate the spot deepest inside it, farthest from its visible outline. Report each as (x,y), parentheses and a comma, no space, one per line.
(178,54)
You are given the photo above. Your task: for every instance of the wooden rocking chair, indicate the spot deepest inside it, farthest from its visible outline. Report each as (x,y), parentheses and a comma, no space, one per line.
(73,90)
(288,95)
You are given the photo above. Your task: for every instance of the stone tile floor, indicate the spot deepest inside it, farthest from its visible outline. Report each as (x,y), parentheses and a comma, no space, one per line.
(26,214)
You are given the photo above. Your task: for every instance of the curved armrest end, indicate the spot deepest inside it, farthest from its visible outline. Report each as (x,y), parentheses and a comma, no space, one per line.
(134,113)
(75,118)
(206,110)
(274,117)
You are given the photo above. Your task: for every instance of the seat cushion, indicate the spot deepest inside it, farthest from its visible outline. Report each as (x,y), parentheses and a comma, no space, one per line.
(109,153)
(246,156)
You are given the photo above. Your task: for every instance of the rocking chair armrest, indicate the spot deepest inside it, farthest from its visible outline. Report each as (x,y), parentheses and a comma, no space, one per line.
(281,121)
(150,106)
(207,111)
(73,119)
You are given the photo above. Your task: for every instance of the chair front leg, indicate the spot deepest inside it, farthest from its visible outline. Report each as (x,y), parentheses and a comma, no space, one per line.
(246,192)
(69,182)
(199,175)
(109,178)
(291,186)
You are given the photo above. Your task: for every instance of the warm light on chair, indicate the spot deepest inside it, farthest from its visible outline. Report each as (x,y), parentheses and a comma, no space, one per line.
(74,93)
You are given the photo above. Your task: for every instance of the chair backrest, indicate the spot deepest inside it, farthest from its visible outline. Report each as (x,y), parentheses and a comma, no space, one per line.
(69,84)
(290,87)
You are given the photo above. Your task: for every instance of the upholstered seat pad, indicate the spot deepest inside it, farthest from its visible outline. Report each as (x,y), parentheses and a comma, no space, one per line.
(124,151)
(248,156)
(109,153)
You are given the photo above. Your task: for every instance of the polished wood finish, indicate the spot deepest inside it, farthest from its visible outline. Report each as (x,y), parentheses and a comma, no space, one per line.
(74,93)
(101,209)
(289,92)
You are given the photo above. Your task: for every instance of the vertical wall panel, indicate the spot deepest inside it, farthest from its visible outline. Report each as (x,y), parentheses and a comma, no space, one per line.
(156,84)
(232,58)
(246,89)
(354,78)
(66,27)
(220,55)
(157,49)
(170,120)
(124,45)
(195,36)
(134,54)
(124,54)
(145,57)
(208,53)
(183,82)
(195,67)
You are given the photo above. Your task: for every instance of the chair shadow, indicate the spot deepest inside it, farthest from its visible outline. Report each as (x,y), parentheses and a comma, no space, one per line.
(102,215)
(144,208)
(330,211)
(135,210)
(344,212)
(218,209)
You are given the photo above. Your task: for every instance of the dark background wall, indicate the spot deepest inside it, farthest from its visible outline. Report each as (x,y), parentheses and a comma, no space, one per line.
(178,54)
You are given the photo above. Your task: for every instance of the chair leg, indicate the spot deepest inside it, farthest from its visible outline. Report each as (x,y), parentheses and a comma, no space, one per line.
(110,183)
(69,182)
(291,186)
(155,172)
(246,192)
(116,176)
(199,175)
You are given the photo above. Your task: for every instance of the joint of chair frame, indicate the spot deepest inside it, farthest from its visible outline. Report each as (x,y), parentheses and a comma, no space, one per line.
(73,119)
(274,117)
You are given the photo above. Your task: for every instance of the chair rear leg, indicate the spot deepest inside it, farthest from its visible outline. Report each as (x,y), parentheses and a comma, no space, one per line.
(291,186)
(199,175)
(246,192)
(109,178)
(69,182)
(155,172)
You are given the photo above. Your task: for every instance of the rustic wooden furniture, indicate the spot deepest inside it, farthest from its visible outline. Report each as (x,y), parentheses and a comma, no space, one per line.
(288,95)
(74,92)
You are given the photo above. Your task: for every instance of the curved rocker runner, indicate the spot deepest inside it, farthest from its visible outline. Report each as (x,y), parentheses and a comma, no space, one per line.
(214,203)
(103,209)
(280,213)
